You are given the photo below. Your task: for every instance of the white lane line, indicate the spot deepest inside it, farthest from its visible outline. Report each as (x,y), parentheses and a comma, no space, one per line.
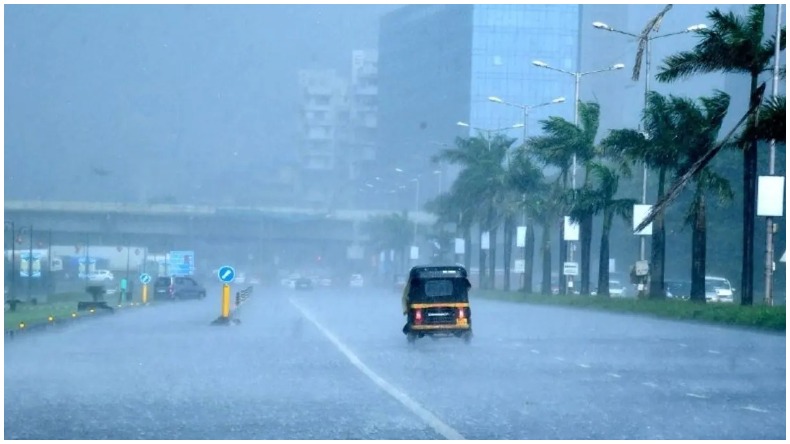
(584,365)
(754,409)
(432,420)
(650,384)
(694,395)
(683,345)
(614,375)
(714,352)
(535,351)
(755,360)
(559,358)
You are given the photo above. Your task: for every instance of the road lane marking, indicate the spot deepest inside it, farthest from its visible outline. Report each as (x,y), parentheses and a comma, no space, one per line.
(535,351)
(755,360)
(714,352)
(614,375)
(754,409)
(429,418)
(683,345)
(559,358)
(694,395)
(584,365)
(650,384)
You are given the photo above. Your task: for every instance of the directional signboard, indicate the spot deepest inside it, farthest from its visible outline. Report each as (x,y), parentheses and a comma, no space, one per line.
(226,274)
(145,278)
(181,263)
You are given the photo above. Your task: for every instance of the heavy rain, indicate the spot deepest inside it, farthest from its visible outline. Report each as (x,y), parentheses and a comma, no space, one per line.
(481,221)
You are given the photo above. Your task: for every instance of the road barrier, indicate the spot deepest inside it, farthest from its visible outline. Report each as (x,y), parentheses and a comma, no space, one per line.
(227,312)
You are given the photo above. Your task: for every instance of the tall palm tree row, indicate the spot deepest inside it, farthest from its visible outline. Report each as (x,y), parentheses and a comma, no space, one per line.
(733,44)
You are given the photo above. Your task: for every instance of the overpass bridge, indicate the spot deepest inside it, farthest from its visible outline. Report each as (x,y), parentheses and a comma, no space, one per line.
(162,227)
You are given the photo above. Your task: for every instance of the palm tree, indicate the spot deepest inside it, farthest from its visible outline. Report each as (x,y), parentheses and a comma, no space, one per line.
(561,140)
(600,200)
(456,206)
(546,209)
(733,44)
(526,182)
(482,180)
(660,149)
(698,129)
(389,232)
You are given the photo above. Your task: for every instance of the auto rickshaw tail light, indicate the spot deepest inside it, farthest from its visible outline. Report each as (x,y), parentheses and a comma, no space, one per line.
(461,313)
(418,317)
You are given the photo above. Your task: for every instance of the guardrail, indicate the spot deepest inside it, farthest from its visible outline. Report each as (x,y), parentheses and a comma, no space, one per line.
(228,314)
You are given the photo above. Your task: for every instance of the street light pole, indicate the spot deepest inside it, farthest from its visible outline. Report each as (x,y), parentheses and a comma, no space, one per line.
(648,55)
(769,235)
(13,259)
(577,77)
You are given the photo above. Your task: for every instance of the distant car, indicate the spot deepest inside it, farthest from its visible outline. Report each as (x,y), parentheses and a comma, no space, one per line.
(400,282)
(718,289)
(303,283)
(176,287)
(101,275)
(356,281)
(325,282)
(677,289)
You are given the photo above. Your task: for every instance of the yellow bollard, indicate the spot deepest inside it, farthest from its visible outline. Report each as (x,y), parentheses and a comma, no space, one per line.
(225,301)
(145,293)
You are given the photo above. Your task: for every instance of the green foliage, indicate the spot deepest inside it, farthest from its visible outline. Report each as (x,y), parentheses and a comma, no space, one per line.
(761,317)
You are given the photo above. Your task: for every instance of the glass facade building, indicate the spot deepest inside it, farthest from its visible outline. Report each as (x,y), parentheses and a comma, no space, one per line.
(439,64)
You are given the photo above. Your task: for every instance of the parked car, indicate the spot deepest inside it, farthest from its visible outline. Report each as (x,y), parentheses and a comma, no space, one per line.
(101,276)
(303,283)
(677,289)
(718,289)
(178,287)
(616,289)
(356,281)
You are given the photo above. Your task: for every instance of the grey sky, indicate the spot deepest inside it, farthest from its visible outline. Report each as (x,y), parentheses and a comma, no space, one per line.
(155,93)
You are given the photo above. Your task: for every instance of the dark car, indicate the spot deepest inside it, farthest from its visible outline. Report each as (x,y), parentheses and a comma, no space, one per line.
(178,287)
(677,288)
(303,283)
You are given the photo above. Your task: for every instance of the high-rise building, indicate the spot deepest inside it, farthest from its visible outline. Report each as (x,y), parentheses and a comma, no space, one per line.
(339,121)
(440,63)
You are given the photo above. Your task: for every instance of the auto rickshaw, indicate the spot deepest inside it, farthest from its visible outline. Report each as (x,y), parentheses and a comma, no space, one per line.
(436,303)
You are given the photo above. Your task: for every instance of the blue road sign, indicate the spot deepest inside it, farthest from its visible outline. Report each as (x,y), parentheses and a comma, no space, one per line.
(145,278)
(226,273)
(181,263)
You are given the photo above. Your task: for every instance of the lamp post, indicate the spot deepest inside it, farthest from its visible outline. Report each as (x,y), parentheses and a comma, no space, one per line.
(525,109)
(577,77)
(648,39)
(489,132)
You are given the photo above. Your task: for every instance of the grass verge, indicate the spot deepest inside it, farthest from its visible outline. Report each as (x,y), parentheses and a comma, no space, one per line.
(59,306)
(760,317)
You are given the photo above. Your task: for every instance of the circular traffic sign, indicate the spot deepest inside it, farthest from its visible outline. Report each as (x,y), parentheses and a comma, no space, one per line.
(145,278)
(226,273)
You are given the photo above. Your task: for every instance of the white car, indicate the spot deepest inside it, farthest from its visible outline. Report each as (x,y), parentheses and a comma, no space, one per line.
(356,281)
(718,289)
(101,276)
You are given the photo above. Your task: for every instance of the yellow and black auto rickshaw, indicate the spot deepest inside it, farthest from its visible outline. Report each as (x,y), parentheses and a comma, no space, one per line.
(436,303)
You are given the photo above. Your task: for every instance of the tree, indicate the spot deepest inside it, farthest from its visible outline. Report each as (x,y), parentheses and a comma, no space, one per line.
(482,180)
(526,182)
(698,129)
(597,197)
(657,147)
(389,232)
(733,44)
(561,140)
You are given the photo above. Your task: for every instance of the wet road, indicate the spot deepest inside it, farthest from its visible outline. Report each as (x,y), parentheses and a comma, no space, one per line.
(335,365)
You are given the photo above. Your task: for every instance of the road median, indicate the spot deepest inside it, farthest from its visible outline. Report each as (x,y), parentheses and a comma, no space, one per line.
(758,317)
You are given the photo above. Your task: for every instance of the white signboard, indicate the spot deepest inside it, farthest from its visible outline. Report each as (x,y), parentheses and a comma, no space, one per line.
(519,266)
(415,252)
(460,245)
(570,268)
(484,242)
(571,232)
(770,196)
(640,214)
(521,237)
(612,266)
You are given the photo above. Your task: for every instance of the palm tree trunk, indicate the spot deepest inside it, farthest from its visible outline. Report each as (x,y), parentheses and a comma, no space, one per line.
(749,209)
(563,256)
(508,250)
(481,266)
(658,247)
(586,247)
(492,234)
(529,254)
(603,258)
(698,245)
(545,285)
